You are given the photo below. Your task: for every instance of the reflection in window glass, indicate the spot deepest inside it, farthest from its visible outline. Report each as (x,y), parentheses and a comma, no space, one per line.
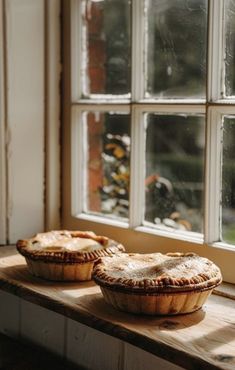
(107,164)
(176,48)
(228,180)
(229,47)
(106,47)
(174,171)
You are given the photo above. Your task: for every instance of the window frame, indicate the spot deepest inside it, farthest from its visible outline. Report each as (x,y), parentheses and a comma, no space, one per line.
(139,238)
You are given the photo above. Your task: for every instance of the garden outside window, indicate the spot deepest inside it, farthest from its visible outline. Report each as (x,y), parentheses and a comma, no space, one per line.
(152,112)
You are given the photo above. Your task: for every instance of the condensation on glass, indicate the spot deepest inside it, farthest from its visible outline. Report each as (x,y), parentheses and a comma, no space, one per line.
(229,48)
(174,171)
(107,164)
(105,64)
(175,43)
(228,180)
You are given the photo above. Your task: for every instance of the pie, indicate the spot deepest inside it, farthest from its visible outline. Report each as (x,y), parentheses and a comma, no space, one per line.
(66,255)
(156,284)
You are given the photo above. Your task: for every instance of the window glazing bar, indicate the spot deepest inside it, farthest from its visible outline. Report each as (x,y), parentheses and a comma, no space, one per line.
(215,81)
(138,34)
(213,179)
(137,176)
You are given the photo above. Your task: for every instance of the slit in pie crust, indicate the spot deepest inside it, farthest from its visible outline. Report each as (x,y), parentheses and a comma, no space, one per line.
(66,255)
(156,284)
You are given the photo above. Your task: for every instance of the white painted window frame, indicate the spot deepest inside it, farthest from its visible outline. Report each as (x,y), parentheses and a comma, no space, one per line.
(215,51)
(138,158)
(213,206)
(214,109)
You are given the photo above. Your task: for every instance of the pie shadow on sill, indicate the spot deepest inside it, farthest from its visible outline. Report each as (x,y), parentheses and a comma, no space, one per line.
(21,273)
(96,305)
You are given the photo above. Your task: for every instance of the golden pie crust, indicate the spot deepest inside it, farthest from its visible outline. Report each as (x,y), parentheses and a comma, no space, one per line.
(66,255)
(156,284)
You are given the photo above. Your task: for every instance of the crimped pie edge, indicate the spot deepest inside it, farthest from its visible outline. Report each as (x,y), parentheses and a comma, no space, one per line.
(163,285)
(110,247)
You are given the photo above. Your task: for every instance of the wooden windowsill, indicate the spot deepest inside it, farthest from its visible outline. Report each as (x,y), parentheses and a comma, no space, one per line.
(225,290)
(203,340)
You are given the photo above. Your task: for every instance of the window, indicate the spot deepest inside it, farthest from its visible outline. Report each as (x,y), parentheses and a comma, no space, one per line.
(152,112)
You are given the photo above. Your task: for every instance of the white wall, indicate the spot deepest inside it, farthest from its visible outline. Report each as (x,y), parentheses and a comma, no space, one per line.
(71,340)
(29,117)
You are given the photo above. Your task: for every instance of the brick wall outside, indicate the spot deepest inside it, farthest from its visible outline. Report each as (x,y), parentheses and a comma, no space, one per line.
(96,50)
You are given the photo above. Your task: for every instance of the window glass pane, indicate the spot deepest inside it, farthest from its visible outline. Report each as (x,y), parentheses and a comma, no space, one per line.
(176,48)
(228,180)
(107,164)
(106,47)
(174,171)
(229,47)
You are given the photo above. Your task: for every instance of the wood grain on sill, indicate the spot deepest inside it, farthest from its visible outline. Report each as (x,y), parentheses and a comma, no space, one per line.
(225,290)
(201,340)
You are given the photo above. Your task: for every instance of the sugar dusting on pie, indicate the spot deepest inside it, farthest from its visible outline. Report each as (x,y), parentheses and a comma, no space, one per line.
(139,267)
(57,242)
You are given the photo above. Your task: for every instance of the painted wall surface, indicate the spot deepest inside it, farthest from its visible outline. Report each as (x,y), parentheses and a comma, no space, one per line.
(77,343)
(29,117)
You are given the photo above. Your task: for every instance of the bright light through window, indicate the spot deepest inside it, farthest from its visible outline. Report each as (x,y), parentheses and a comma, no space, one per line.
(153,123)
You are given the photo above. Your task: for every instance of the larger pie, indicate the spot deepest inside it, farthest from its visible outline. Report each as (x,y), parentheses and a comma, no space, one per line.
(155,283)
(66,255)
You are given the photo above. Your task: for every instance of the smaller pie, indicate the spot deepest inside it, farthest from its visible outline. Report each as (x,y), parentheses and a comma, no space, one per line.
(66,255)
(156,284)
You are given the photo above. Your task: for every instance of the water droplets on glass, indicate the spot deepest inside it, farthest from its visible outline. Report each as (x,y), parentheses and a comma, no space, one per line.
(174,171)
(107,164)
(176,34)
